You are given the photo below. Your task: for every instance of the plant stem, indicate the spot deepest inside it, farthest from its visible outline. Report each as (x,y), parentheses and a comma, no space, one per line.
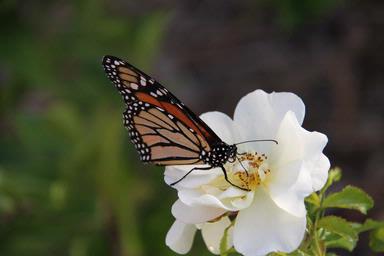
(319,250)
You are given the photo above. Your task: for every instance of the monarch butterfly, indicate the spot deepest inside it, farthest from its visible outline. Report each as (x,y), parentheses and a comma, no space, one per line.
(164,130)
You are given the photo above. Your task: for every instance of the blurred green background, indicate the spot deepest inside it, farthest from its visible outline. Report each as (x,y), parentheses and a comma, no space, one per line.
(70,181)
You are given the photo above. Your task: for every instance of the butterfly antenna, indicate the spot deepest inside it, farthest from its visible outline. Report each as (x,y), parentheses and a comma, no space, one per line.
(242,165)
(248,141)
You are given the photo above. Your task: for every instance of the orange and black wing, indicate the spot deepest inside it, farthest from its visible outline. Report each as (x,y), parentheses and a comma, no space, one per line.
(163,130)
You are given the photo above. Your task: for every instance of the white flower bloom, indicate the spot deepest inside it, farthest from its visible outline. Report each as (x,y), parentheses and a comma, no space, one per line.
(272,215)
(180,236)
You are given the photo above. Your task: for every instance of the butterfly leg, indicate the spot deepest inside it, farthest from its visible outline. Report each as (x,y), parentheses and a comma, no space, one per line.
(242,154)
(242,166)
(230,182)
(189,172)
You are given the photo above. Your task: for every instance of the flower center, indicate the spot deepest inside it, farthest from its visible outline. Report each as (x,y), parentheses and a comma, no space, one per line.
(250,171)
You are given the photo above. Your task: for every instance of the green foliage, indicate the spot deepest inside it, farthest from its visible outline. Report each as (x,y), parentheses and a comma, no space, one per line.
(325,232)
(349,198)
(336,232)
(297,13)
(369,224)
(376,240)
(224,244)
(70,183)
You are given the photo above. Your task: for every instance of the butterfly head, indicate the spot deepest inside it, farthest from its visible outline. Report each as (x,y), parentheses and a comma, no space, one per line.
(232,152)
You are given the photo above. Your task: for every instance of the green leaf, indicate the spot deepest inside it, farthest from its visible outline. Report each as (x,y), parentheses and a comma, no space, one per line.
(224,243)
(369,224)
(230,252)
(338,233)
(298,253)
(334,241)
(312,204)
(313,199)
(349,198)
(376,240)
(376,235)
(277,254)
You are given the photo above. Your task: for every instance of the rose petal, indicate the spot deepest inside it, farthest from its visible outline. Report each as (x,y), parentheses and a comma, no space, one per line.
(319,171)
(288,193)
(180,237)
(221,124)
(298,144)
(264,228)
(295,165)
(259,114)
(196,214)
(290,137)
(194,179)
(235,199)
(229,200)
(315,162)
(213,233)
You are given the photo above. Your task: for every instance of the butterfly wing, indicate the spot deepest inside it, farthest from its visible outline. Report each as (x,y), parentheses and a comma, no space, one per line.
(163,130)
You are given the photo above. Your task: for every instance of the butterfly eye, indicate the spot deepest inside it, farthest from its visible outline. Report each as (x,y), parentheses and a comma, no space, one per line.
(231,160)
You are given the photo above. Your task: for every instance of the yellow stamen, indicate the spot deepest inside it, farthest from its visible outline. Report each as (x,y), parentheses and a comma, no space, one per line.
(255,173)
